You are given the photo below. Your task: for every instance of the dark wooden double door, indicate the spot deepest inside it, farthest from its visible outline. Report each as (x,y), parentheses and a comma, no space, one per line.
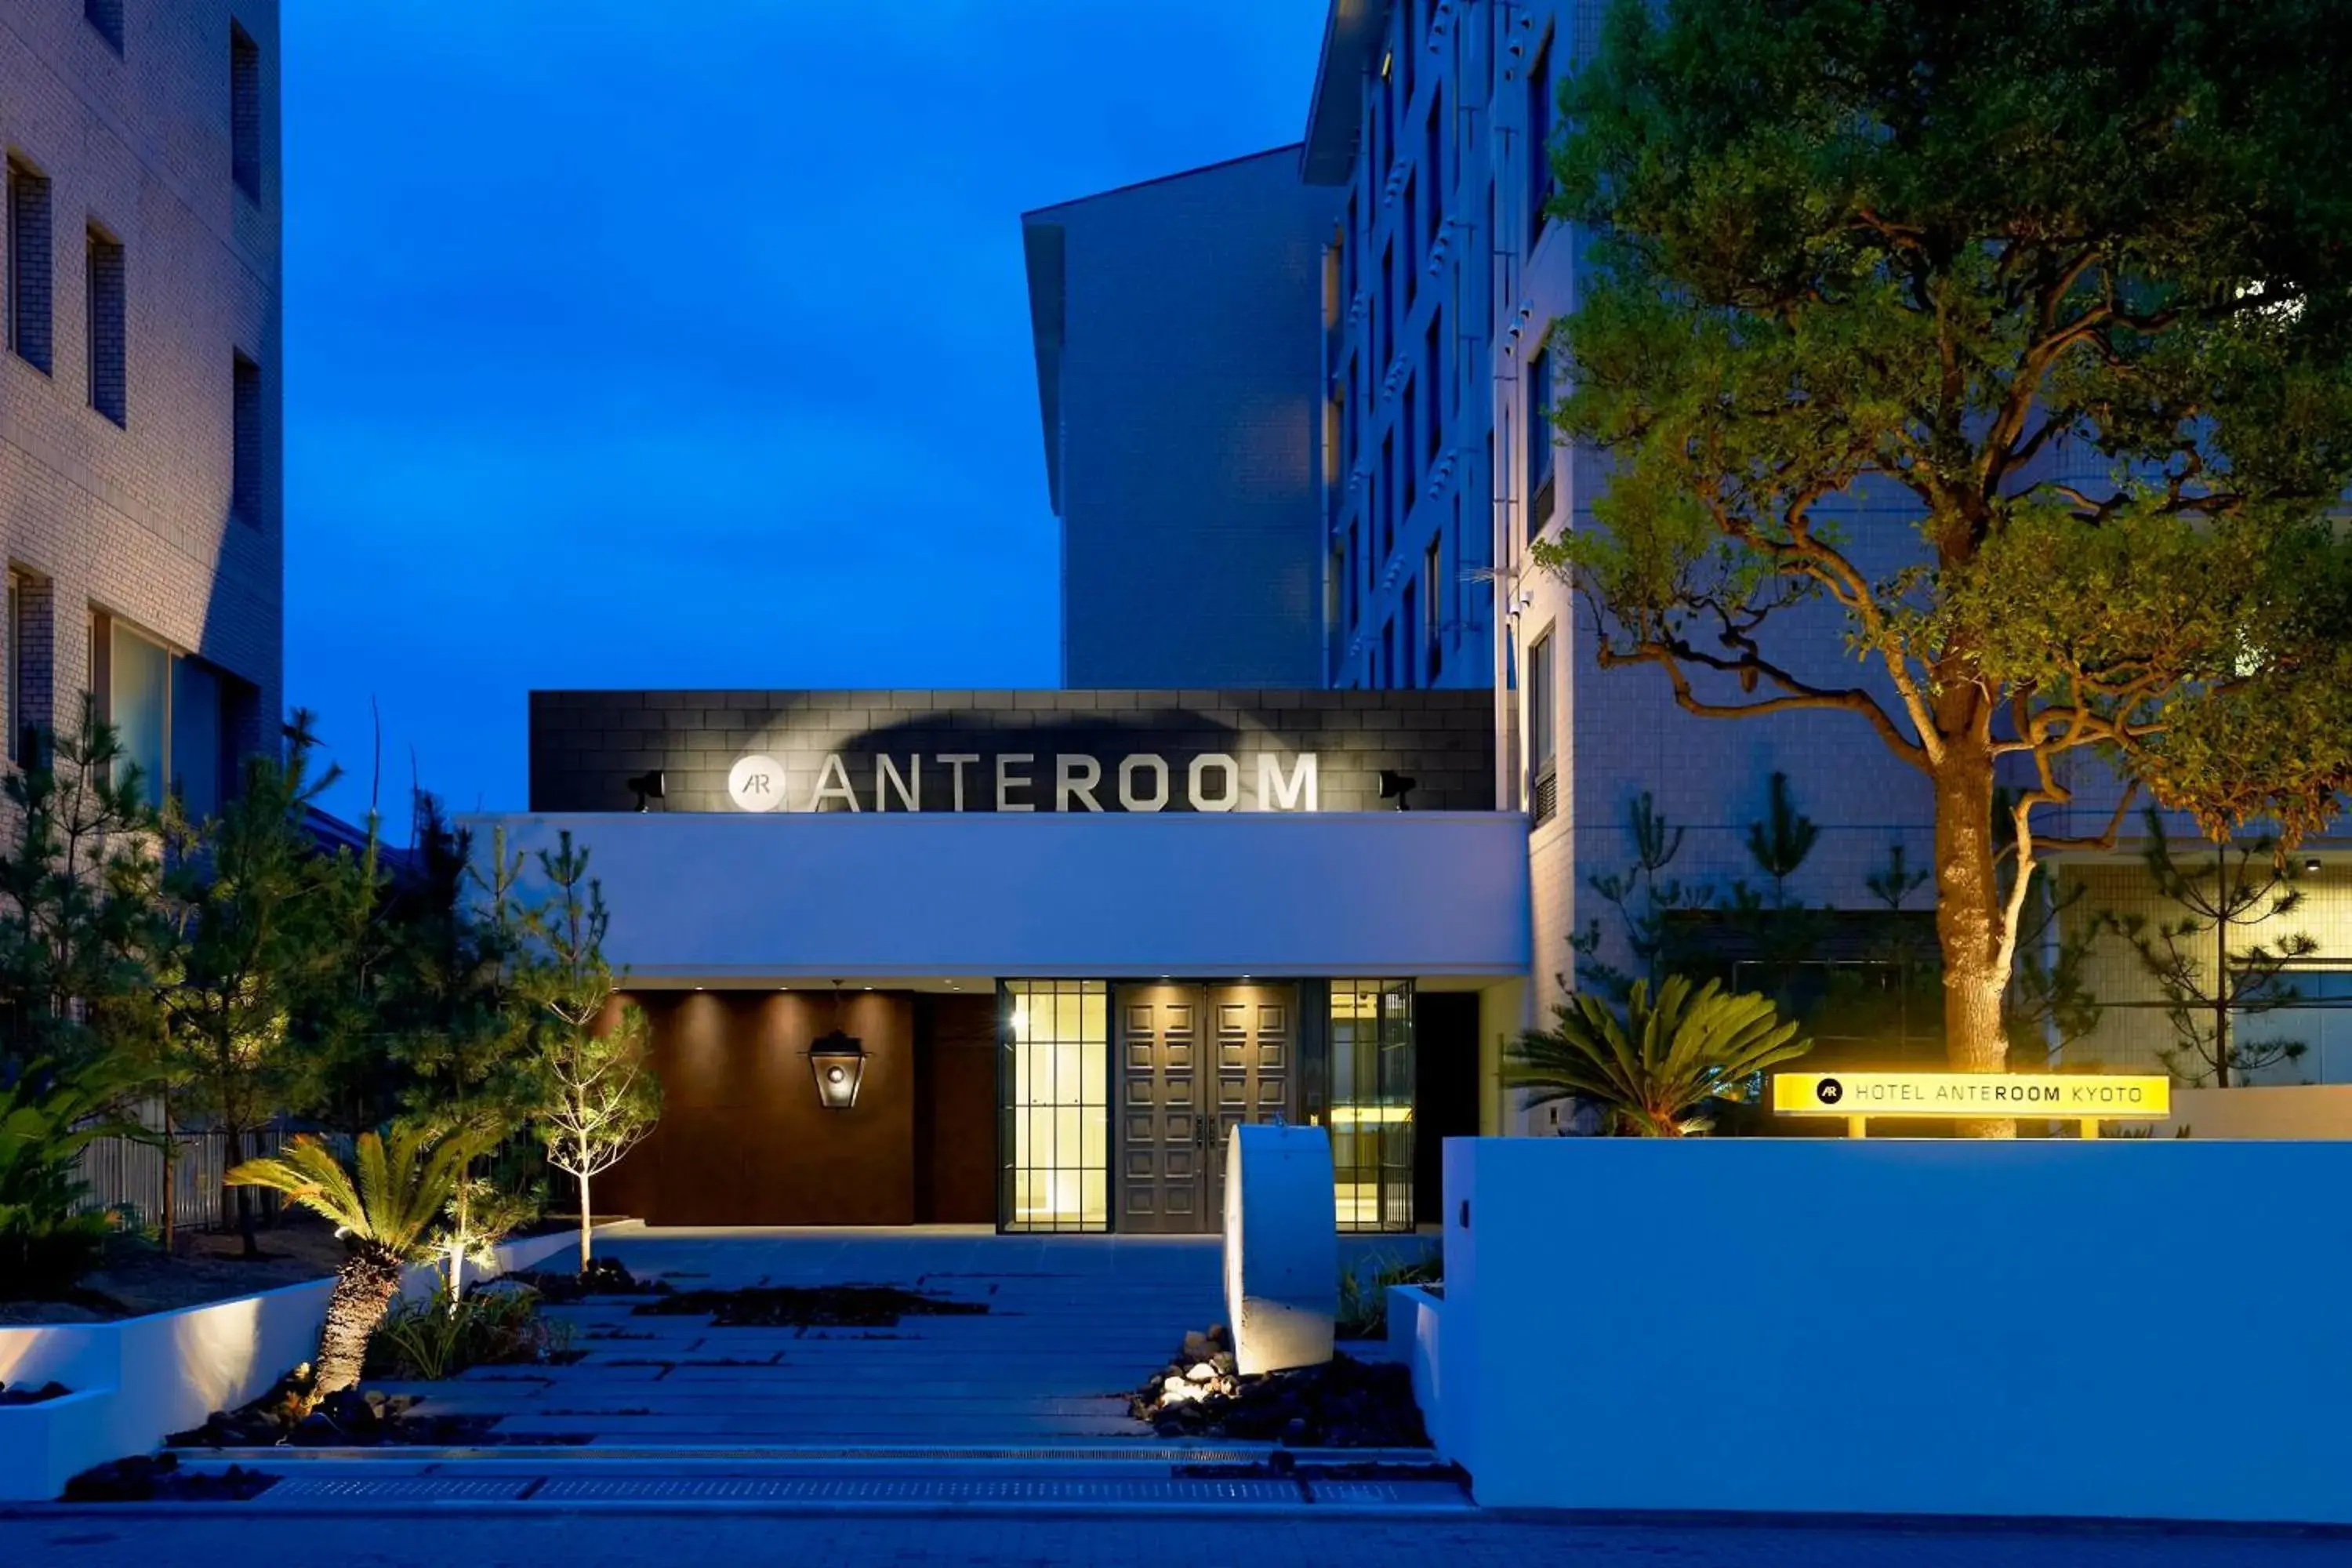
(1195,1060)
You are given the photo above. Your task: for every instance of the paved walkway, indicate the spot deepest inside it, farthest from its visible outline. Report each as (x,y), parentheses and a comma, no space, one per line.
(365,1540)
(1072,1325)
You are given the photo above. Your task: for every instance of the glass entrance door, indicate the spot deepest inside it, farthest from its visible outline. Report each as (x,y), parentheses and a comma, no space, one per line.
(1195,1062)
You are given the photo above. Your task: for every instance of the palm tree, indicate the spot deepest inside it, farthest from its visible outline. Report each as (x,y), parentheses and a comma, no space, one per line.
(1657,1065)
(385,1206)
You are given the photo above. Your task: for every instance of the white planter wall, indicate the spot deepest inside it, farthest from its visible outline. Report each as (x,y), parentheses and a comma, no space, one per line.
(136,1380)
(1889,1326)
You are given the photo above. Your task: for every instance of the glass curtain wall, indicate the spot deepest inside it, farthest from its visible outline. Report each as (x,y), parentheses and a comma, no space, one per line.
(1054,1067)
(1371,1103)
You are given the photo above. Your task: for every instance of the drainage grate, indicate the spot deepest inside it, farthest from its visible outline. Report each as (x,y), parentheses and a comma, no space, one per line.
(394,1488)
(910,1489)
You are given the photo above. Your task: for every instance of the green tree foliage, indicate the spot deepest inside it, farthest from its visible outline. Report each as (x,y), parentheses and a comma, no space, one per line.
(1651,1069)
(385,1203)
(597,1095)
(1647,901)
(47,1240)
(2209,978)
(76,909)
(2067,279)
(259,924)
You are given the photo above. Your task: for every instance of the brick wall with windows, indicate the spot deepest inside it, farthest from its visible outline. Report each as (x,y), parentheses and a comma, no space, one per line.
(150,265)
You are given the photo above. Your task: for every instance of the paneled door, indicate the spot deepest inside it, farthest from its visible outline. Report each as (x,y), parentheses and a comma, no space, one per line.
(1193,1061)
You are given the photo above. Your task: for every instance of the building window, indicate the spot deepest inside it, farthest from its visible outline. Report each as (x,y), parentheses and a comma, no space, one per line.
(106,16)
(1355,583)
(248,492)
(107,378)
(1386,675)
(1539,102)
(245,111)
(1055,1089)
(1388,498)
(1410,228)
(1410,422)
(31,657)
(1433,160)
(1372,1072)
(1408,670)
(1386,344)
(1433,352)
(1541,743)
(1431,586)
(1334,421)
(168,712)
(1541,495)
(28,278)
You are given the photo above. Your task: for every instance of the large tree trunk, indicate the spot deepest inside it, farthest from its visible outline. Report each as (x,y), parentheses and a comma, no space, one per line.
(1969,922)
(364,1288)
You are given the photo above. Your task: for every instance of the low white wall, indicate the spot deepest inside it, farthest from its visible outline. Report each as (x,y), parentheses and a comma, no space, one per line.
(1892,1326)
(1416,1326)
(2322,1111)
(135,1381)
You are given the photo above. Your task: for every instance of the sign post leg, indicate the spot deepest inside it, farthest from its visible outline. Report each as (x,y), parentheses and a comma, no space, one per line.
(1857,1126)
(2090,1126)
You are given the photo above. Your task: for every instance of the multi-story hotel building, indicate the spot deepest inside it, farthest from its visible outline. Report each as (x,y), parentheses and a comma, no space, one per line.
(139,506)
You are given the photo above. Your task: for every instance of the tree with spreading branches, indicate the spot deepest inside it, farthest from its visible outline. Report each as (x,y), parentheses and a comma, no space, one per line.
(2066,280)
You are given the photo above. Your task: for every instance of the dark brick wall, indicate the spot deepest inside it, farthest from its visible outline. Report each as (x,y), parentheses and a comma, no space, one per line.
(585,745)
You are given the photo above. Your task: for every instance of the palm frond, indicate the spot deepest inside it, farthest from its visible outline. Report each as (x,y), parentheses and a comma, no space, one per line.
(1663,1059)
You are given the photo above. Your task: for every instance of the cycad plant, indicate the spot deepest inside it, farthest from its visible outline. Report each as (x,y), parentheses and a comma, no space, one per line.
(1651,1069)
(385,1205)
(47,1240)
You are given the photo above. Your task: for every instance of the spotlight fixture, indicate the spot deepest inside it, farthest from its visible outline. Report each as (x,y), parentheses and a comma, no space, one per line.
(1394,786)
(648,786)
(2311,862)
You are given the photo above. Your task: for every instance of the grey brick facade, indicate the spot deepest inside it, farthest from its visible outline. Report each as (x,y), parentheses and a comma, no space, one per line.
(585,745)
(116,488)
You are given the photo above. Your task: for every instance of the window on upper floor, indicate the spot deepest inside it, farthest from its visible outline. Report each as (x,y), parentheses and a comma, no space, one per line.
(1385,344)
(1409,421)
(1411,617)
(29,279)
(1433,369)
(104,283)
(1388,498)
(1541,494)
(32,656)
(1433,593)
(1335,422)
(1542,745)
(248,445)
(245,111)
(1412,232)
(1354,578)
(1433,160)
(1539,118)
(1385,674)
(106,17)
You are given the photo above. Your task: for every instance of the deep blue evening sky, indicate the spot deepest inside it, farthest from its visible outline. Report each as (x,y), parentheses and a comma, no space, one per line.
(642,345)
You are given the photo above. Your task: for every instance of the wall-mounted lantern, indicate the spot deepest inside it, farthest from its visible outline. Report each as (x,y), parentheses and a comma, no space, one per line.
(839,1060)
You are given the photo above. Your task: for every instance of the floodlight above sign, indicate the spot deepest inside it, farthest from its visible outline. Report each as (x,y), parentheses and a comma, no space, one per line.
(2086,1097)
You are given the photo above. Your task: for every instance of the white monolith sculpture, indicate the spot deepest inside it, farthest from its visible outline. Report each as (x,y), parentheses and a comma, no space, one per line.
(1282,1247)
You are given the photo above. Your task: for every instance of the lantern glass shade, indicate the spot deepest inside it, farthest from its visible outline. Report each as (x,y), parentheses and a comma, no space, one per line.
(838,1062)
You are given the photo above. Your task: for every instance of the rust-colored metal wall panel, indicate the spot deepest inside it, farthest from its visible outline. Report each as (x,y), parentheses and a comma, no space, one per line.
(743,1139)
(955,1110)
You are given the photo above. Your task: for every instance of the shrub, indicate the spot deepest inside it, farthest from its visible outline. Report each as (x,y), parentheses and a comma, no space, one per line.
(438,1337)
(47,1243)
(1364,1291)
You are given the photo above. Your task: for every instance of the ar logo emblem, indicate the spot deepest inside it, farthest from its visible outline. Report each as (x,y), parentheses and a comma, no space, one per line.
(1830,1090)
(756,784)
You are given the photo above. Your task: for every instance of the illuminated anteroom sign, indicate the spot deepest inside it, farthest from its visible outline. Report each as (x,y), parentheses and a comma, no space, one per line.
(1029,780)
(2086,1097)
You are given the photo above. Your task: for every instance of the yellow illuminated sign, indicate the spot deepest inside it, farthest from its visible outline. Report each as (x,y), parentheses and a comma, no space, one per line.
(2074,1097)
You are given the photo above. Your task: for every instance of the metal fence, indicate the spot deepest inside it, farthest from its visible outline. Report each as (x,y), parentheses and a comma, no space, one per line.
(118,1172)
